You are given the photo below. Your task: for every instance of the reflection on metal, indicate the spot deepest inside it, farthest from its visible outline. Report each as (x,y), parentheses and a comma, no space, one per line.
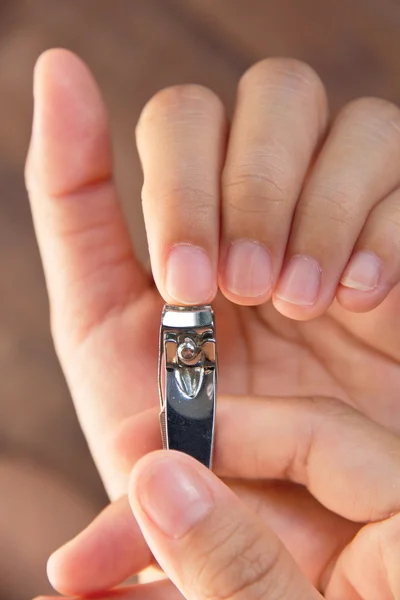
(187,380)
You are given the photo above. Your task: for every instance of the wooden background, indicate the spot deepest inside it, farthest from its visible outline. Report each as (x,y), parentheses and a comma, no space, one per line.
(48,485)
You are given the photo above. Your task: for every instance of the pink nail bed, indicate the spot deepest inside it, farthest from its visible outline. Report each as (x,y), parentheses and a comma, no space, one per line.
(174,496)
(363,272)
(300,282)
(190,278)
(248,269)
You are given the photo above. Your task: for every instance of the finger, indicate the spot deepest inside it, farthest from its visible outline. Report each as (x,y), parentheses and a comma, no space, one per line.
(346,347)
(355,170)
(181,138)
(369,567)
(159,590)
(204,538)
(280,116)
(135,437)
(349,463)
(296,517)
(374,267)
(90,268)
(91,272)
(105,554)
(112,549)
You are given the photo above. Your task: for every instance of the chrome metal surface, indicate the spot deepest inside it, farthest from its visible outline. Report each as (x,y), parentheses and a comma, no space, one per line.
(187,316)
(187,380)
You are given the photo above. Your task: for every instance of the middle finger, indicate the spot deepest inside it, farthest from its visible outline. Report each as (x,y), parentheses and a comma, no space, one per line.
(280,116)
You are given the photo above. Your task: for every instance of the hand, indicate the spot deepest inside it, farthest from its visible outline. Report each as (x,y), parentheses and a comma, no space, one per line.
(212,546)
(104,306)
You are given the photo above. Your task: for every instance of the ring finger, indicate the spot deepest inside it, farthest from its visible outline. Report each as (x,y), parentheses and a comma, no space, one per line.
(356,169)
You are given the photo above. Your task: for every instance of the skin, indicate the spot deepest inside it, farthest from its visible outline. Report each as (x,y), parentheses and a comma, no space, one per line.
(308,413)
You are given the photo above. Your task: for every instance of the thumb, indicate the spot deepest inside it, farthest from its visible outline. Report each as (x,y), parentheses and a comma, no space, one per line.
(206,541)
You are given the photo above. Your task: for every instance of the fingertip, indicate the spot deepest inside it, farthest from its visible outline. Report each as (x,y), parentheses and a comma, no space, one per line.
(55,567)
(364,283)
(103,555)
(246,273)
(135,437)
(241,299)
(142,465)
(295,311)
(70,144)
(158,461)
(51,54)
(66,568)
(58,67)
(189,276)
(244,300)
(359,301)
(42,62)
(169,493)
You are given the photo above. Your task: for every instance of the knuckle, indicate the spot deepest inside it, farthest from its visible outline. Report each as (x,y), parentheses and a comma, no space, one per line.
(326,409)
(237,562)
(322,415)
(191,100)
(333,201)
(290,73)
(378,117)
(257,186)
(386,218)
(191,199)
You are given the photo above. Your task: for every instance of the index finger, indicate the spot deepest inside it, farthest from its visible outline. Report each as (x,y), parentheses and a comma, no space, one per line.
(91,272)
(349,463)
(81,232)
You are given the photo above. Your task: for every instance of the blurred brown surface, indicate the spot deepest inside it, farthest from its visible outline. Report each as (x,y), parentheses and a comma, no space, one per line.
(134,47)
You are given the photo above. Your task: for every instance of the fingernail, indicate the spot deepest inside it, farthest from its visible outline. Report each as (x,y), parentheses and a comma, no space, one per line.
(190,278)
(174,496)
(248,270)
(363,272)
(300,281)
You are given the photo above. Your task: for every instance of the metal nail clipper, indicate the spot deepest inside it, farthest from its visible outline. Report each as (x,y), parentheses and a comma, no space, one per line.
(187,376)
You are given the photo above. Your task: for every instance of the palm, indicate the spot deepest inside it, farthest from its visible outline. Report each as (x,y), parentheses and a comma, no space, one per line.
(352,357)
(343,355)
(263,353)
